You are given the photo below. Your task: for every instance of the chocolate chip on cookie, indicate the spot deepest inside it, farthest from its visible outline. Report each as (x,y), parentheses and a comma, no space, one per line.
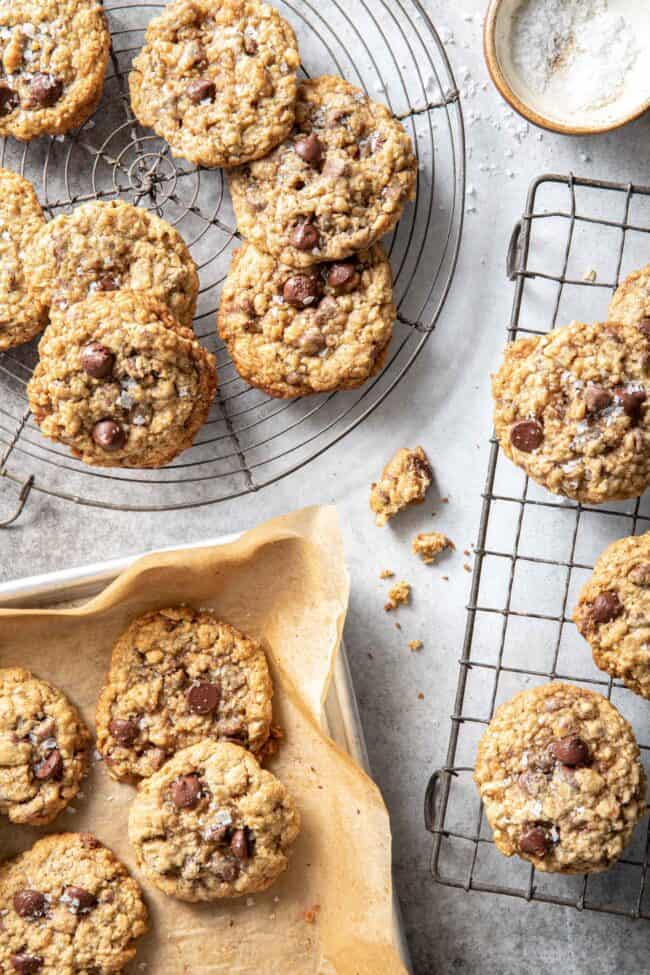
(305,236)
(343,277)
(606,607)
(97,360)
(631,400)
(302,290)
(526,435)
(534,840)
(78,900)
(50,768)
(310,149)
(124,730)
(201,90)
(597,398)
(29,903)
(44,90)
(186,791)
(9,100)
(26,964)
(109,435)
(239,844)
(203,697)
(571,750)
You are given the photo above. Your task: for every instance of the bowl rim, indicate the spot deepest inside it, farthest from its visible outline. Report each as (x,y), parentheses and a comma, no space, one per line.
(527,111)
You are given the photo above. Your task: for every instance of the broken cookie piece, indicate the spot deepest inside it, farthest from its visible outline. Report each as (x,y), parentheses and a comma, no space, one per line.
(400,594)
(405,480)
(428,545)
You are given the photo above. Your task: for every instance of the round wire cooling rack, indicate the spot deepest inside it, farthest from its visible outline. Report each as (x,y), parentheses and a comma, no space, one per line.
(388,47)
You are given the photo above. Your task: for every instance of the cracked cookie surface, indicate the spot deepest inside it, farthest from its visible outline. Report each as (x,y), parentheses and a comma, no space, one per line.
(53,57)
(613,612)
(335,186)
(293,333)
(212,823)
(120,382)
(571,409)
(631,300)
(68,907)
(217,80)
(405,480)
(23,313)
(43,748)
(178,676)
(111,247)
(560,776)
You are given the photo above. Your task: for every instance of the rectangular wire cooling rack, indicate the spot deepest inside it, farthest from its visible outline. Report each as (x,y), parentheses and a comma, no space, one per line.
(575,241)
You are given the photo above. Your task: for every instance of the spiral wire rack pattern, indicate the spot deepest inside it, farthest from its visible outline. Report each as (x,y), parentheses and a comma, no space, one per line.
(391,50)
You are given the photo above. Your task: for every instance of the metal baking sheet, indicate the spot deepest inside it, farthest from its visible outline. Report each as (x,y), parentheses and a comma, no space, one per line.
(76,585)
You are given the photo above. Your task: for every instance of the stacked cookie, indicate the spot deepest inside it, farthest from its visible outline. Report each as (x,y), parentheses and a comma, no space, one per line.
(318,173)
(186,713)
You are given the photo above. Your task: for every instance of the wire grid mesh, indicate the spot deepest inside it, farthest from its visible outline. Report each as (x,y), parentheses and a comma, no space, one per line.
(387,47)
(575,241)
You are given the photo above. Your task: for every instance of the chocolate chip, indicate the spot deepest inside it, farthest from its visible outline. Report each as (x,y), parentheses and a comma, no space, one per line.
(124,730)
(305,236)
(597,398)
(78,899)
(530,782)
(107,283)
(109,435)
(9,100)
(239,844)
(156,757)
(26,964)
(186,791)
(571,751)
(312,341)
(97,360)
(343,277)
(606,607)
(310,149)
(250,45)
(301,290)
(644,327)
(631,401)
(29,903)
(533,840)
(51,768)
(526,435)
(44,90)
(232,730)
(203,697)
(89,841)
(201,90)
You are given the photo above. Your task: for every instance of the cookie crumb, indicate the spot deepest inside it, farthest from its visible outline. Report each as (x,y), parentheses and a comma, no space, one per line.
(405,480)
(428,545)
(386,574)
(467,567)
(399,594)
(415,645)
(421,696)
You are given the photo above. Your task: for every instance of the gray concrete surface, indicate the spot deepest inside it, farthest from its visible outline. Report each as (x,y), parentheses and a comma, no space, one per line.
(443,404)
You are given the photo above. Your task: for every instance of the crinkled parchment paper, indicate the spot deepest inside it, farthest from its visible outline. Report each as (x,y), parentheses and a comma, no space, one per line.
(286,584)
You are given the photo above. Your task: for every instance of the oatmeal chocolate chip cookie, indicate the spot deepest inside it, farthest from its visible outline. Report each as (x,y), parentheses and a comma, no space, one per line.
(121,382)
(43,749)
(212,823)
(217,80)
(178,676)
(293,333)
(559,773)
(23,312)
(571,409)
(53,57)
(110,247)
(68,906)
(631,301)
(335,186)
(405,480)
(613,612)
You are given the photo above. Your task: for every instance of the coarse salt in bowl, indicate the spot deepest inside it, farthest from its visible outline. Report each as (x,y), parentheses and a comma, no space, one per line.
(573,66)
